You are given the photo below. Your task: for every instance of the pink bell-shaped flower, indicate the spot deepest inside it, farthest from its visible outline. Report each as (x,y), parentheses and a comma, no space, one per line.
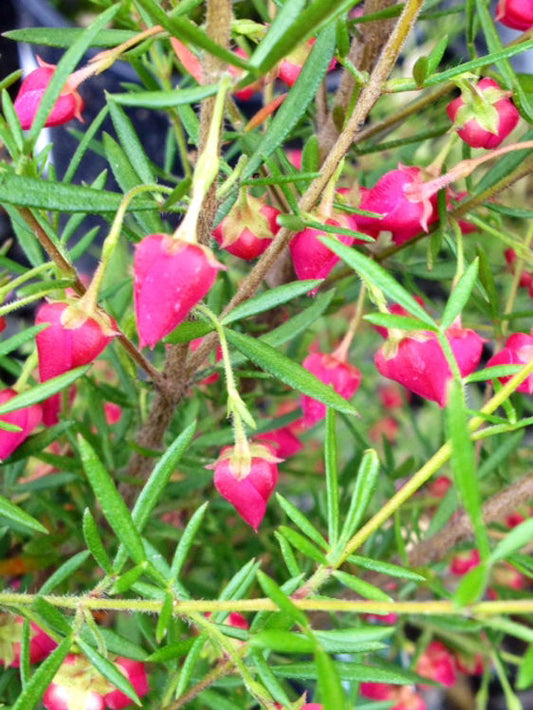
(312,259)
(437,663)
(463,562)
(27,419)
(518,350)
(517,14)
(418,363)
(135,672)
(170,277)
(248,494)
(485,117)
(403,216)
(71,340)
(76,686)
(248,229)
(69,105)
(330,369)
(404,697)
(11,627)
(291,66)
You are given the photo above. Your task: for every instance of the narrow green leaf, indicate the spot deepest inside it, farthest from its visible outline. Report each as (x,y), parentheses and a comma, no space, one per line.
(464,464)
(365,485)
(525,670)
(329,682)
(288,555)
(52,616)
(289,372)
(420,70)
(362,587)
(131,144)
(121,646)
(356,640)
(386,568)
(268,679)
(299,519)
(40,392)
(389,320)
(472,586)
(332,478)
(164,619)
(297,101)
(377,276)
(41,679)
(109,670)
(285,17)
(189,665)
(240,583)
(94,541)
(186,541)
(15,514)
(128,579)
(282,641)
(111,502)
(65,36)
(437,54)
(271,299)
(160,100)
(25,654)
(88,136)
(302,544)
(300,322)
(172,651)
(64,572)
(492,373)
(282,601)
(350,671)
(460,295)
(518,537)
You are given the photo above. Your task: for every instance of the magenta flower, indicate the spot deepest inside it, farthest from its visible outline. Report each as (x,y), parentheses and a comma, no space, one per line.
(69,105)
(518,350)
(437,663)
(170,277)
(135,672)
(71,340)
(404,697)
(480,127)
(249,495)
(517,14)
(27,419)
(418,363)
(463,562)
(41,645)
(343,377)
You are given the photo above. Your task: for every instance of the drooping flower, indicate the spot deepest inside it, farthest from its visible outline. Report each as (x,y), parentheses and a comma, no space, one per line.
(418,362)
(248,229)
(11,628)
(463,562)
(437,663)
(291,66)
(484,115)
(341,375)
(170,277)
(27,419)
(517,14)
(71,340)
(518,350)
(135,672)
(312,259)
(69,105)
(249,494)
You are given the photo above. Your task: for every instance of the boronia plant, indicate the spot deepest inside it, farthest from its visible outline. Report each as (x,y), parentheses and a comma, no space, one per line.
(265,401)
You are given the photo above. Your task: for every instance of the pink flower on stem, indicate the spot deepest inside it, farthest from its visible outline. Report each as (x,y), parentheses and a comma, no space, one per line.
(312,259)
(440,486)
(396,310)
(11,629)
(71,340)
(69,105)
(331,370)
(248,493)
(247,231)
(517,14)
(437,663)
(283,440)
(470,665)
(418,362)
(463,562)
(170,277)
(518,350)
(27,419)
(291,66)
(484,115)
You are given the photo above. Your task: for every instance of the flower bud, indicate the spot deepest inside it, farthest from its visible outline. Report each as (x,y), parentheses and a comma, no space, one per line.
(312,259)
(463,562)
(517,14)
(485,117)
(11,627)
(343,377)
(71,340)
(518,350)
(248,229)
(27,419)
(69,105)
(135,672)
(291,66)
(418,362)
(248,494)
(170,277)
